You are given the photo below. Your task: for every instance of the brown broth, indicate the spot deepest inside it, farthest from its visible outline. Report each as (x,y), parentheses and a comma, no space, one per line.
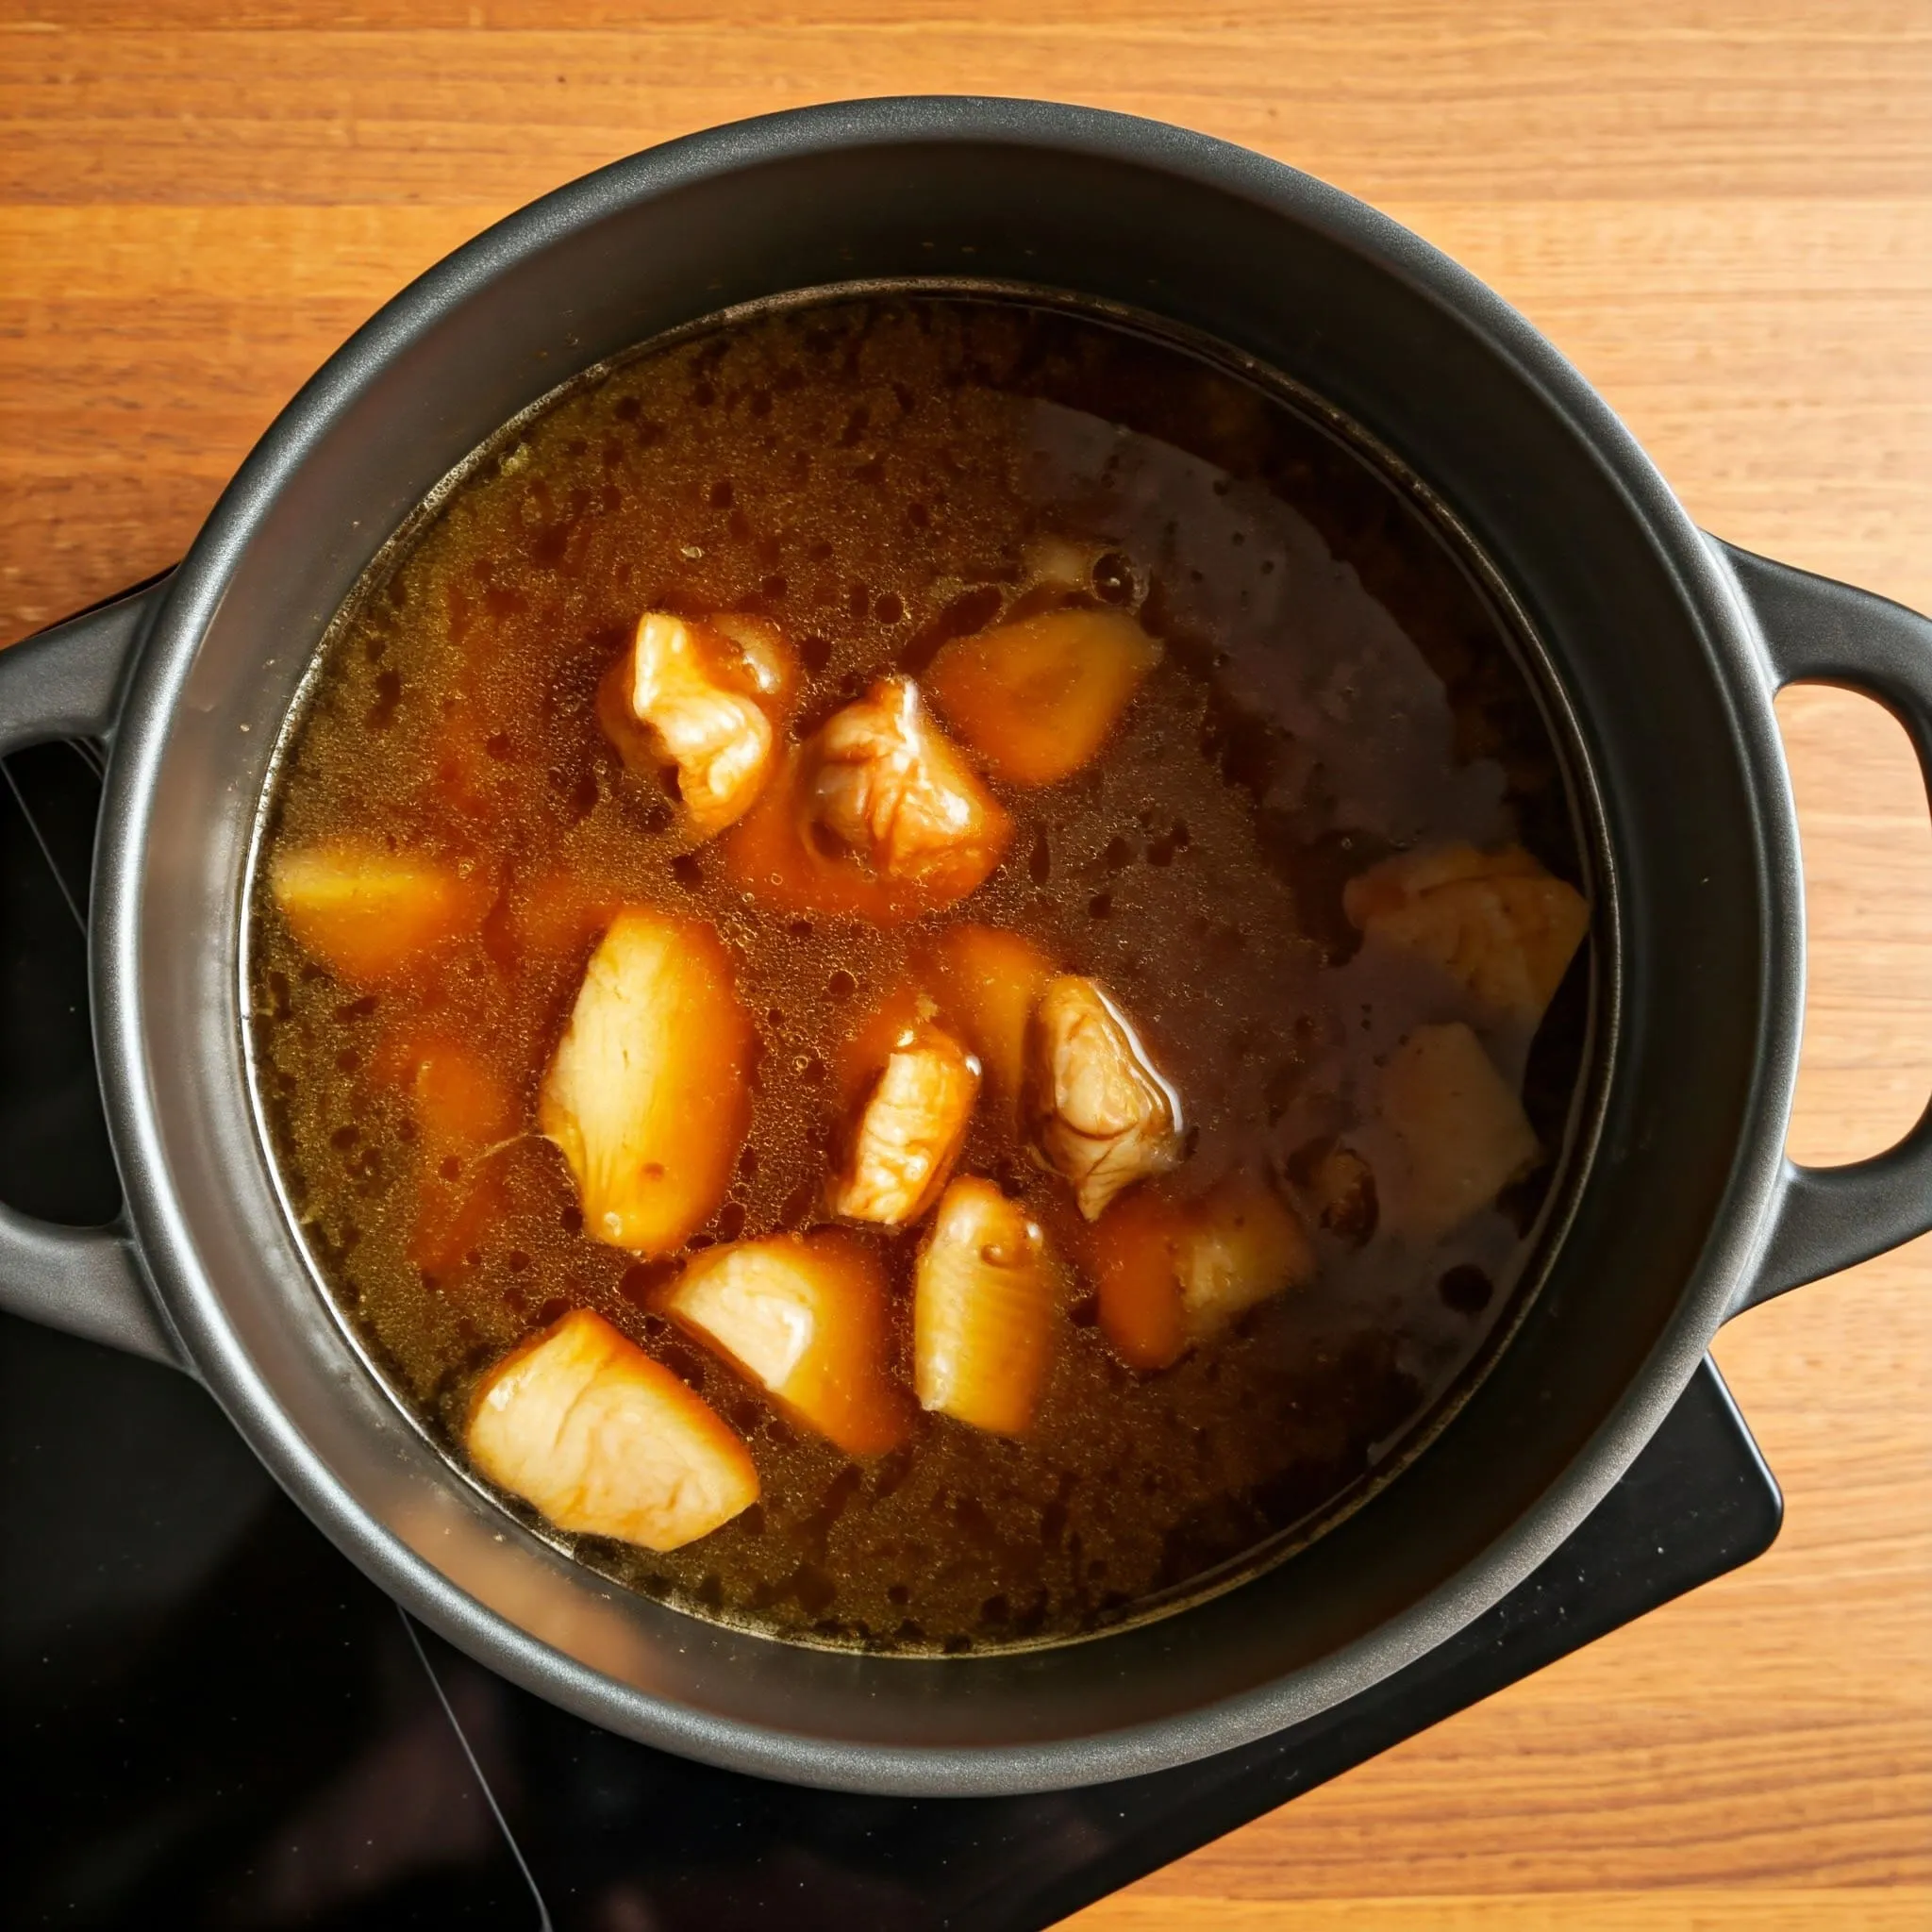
(869,473)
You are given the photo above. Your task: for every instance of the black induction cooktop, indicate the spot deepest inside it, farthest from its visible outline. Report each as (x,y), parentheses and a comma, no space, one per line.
(213,1720)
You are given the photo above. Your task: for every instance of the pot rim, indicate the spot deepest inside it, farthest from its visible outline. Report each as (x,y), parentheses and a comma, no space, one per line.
(194,1302)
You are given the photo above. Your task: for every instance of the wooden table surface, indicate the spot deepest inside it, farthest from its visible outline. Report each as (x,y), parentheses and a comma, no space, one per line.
(1722,212)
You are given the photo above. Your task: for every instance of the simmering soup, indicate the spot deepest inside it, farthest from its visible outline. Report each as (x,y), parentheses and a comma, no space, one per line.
(918,968)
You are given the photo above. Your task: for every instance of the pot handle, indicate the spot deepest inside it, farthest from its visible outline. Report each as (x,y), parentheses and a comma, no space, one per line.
(1817,631)
(67,683)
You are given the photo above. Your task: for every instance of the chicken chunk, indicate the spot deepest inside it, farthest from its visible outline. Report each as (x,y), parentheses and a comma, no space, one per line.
(1102,1115)
(989,980)
(1037,698)
(648,1093)
(1173,1275)
(1495,922)
(588,1429)
(805,1318)
(1460,1132)
(370,913)
(877,817)
(910,1129)
(886,783)
(706,697)
(983,1310)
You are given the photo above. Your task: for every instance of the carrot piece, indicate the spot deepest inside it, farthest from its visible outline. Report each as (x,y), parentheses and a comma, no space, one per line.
(547,919)
(648,1093)
(1037,698)
(465,1113)
(805,1318)
(1136,1249)
(1173,1275)
(585,1426)
(370,913)
(989,981)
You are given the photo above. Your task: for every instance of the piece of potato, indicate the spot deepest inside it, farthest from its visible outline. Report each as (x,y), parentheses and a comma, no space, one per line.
(910,1130)
(1037,698)
(1102,1115)
(369,913)
(465,1115)
(805,1318)
(1461,1134)
(877,817)
(1173,1274)
(706,698)
(605,1442)
(1245,1247)
(648,1093)
(989,981)
(983,1314)
(1495,922)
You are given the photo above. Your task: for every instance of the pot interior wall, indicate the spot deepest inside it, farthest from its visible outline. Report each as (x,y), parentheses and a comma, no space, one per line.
(1163,224)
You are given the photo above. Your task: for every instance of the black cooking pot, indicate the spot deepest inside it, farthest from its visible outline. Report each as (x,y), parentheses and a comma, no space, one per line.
(1664,648)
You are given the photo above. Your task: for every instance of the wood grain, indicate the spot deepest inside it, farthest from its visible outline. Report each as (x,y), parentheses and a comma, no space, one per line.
(1722,212)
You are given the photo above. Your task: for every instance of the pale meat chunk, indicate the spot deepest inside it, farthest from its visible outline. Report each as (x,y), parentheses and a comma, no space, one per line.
(1461,1133)
(805,1318)
(1102,1115)
(888,784)
(648,1093)
(704,693)
(1495,922)
(983,1310)
(910,1131)
(603,1441)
